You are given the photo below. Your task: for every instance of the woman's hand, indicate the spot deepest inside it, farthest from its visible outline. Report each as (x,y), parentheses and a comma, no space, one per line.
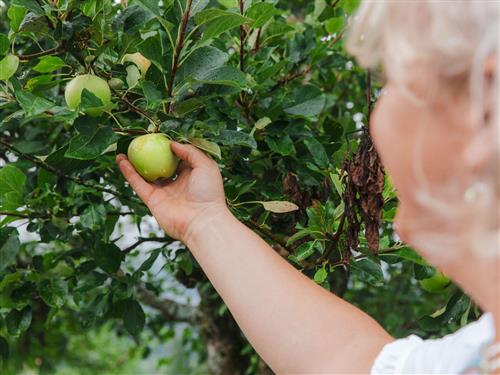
(189,201)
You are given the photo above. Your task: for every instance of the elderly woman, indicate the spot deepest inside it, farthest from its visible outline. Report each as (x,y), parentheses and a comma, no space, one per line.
(436,128)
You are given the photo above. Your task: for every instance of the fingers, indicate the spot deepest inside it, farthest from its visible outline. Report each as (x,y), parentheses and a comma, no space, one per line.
(141,187)
(193,156)
(183,166)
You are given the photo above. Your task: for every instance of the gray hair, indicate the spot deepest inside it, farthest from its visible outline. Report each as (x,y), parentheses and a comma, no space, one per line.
(457,39)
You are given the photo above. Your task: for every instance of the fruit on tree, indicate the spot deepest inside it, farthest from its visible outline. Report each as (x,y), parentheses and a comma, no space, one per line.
(436,283)
(96,85)
(152,157)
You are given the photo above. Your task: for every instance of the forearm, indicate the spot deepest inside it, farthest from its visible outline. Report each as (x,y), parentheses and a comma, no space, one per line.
(294,324)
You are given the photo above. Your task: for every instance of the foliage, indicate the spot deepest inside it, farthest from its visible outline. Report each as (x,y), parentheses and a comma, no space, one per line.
(263,86)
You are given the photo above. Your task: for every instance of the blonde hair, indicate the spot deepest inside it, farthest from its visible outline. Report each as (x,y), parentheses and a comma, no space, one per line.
(457,40)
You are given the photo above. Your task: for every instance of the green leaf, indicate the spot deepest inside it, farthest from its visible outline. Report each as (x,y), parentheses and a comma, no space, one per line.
(4,44)
(9,247)
(350,6)
(48,64)
(262,123)
(133,76)
(16,15)
(12,182)
(141,62)
(218,21)
(333,25)
(89,100)
(282,145)
(309,102)
(90,281)
(8,66)
(210,147)
(297,236)
(18,321)
(225,75)
(260,13)
(134,318)
(33,105)
(368,271)
(233,137)
(317,151)
(31,5)
(93,217)
(151,5)
(197,6)
(305,250)
(4,349)
(320,275)
(148,263)
(54,292)
(187,106)
(108,257)
(92,139)
(200,62)
(406,253)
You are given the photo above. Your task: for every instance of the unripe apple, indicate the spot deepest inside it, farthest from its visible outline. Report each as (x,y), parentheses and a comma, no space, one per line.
(94,84)
(152,157)
(436,283)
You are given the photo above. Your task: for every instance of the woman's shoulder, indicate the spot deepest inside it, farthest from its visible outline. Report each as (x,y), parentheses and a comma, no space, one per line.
(451,354)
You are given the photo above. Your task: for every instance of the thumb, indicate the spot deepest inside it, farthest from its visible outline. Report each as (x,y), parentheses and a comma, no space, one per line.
(190,154)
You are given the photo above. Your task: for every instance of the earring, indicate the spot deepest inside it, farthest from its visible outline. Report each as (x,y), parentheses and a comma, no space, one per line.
(474,191)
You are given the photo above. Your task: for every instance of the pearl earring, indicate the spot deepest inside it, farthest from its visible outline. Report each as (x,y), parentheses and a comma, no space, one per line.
(474,191)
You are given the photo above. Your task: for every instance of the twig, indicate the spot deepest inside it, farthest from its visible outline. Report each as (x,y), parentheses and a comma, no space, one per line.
(368,95)
(23,215)
(53,51)
(178,49)
(139,110)
(257,40)
(336,39)
(58,172)
(336,237)
(267,233)
(169,309)
(242,37)
(130,131)
(145,239)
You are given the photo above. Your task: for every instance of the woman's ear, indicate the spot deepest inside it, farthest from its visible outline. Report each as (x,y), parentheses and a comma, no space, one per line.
(482,148)
(490,68)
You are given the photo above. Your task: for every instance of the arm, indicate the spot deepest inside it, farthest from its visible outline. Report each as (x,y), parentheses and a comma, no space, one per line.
(295,325)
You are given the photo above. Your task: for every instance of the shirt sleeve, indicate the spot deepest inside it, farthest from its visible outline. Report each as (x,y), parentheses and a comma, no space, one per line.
(393,357)
(451,354)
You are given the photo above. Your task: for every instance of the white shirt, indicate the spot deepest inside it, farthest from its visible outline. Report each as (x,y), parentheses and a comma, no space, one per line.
(452,354)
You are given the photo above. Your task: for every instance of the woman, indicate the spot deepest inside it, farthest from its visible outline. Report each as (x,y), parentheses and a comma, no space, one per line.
(436,129)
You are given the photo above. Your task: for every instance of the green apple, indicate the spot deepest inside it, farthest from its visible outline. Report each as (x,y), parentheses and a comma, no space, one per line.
(96,85)
(152,157)
(436,283)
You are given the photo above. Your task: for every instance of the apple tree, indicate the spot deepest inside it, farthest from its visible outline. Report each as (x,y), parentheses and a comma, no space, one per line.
(267,90)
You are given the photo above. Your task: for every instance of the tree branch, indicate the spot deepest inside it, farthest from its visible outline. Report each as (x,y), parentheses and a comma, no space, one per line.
(24,215)
(178,49)
(145,239)
(170,310)
(242,37)
(53,51)
(59,173)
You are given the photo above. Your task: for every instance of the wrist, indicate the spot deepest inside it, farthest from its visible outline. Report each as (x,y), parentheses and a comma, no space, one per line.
(204,220)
